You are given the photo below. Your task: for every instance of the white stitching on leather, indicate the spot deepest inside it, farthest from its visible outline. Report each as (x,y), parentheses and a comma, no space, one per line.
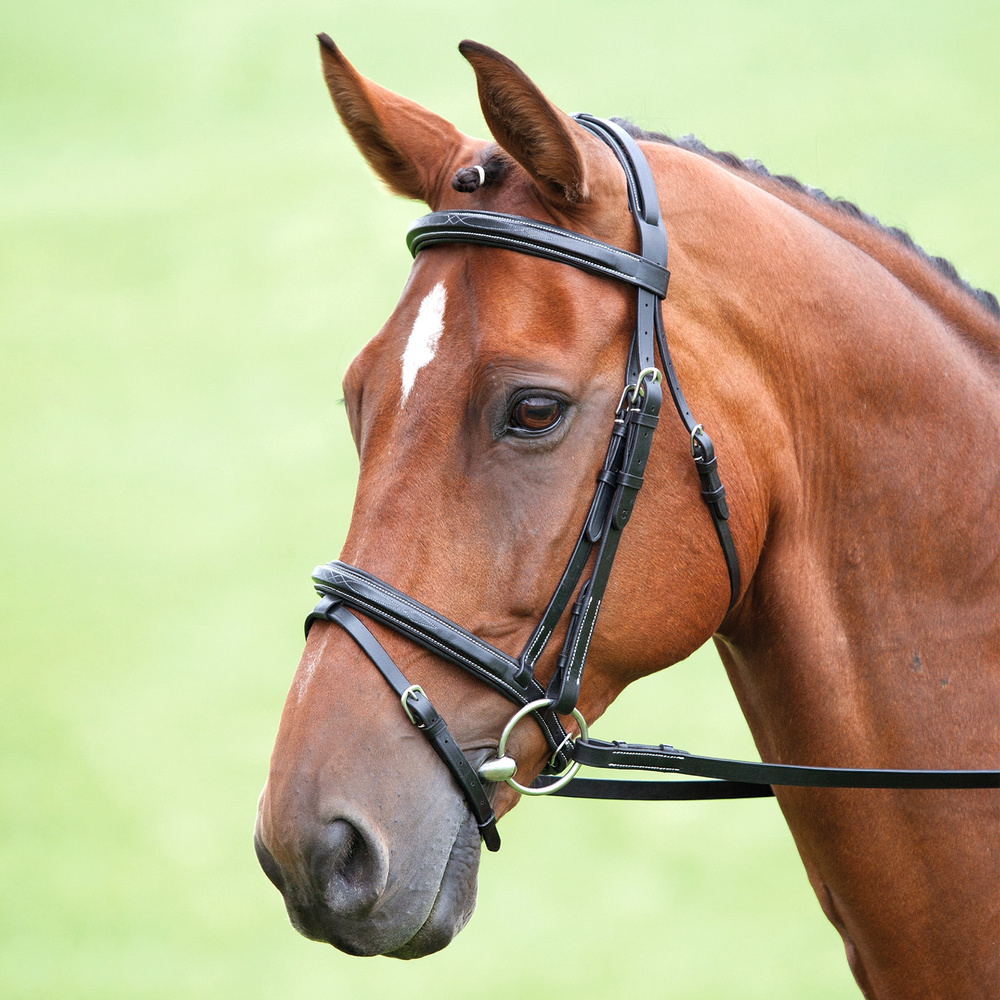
(513,242)
(408,628)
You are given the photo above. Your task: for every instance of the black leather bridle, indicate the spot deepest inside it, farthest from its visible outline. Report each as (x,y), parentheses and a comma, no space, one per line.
(345,589)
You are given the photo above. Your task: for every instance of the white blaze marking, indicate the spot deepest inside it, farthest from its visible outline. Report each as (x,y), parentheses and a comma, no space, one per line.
(422,345)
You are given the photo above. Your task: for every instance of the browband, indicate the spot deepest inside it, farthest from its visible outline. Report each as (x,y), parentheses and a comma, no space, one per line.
(538,239)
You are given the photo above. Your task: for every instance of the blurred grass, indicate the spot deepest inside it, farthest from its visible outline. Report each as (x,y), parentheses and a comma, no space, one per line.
(191,253)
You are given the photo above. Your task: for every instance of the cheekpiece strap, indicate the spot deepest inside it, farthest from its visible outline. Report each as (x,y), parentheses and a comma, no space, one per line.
(640,421)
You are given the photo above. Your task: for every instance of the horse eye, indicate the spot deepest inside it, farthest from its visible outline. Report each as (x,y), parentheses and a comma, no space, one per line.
(536,414)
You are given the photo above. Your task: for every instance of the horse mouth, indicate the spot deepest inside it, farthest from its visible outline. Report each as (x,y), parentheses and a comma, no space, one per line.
(455,900)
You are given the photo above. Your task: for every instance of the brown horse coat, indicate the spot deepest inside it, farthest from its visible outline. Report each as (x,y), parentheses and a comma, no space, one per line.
(853,395)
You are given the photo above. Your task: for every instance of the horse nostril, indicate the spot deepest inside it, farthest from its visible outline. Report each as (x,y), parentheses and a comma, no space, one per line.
(348,868)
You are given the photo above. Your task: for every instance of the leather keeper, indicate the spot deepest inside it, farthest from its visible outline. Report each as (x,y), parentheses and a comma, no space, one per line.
(629,481)
(646,419)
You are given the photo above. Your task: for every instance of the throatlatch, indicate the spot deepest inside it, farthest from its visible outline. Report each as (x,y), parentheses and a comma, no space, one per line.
(344,587)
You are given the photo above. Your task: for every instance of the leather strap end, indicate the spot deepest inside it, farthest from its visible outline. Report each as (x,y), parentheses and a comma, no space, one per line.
(491,836)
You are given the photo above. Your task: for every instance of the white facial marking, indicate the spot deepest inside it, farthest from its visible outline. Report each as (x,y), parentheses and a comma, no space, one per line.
(422,345)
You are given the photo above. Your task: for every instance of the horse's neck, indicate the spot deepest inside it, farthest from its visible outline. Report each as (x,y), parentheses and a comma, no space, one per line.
(949,298)
(857,433)
(873,612)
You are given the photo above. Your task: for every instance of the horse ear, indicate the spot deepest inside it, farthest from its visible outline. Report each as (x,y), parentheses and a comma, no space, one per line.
(543,139)
(403,143)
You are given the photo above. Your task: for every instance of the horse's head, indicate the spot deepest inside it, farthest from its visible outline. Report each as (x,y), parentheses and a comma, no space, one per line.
(481,413)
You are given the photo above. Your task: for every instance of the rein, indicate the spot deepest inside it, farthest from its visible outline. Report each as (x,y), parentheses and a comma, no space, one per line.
(345,589)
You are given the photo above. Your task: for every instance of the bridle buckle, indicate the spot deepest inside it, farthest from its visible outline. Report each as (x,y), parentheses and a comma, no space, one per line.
(404,698)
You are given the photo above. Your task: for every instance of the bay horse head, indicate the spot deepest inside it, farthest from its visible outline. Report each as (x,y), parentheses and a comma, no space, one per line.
(481,413)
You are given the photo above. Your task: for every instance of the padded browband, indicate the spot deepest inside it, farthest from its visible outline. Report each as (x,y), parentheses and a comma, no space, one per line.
(538,239)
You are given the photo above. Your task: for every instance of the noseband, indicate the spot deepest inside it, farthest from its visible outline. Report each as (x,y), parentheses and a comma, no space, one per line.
(345,589)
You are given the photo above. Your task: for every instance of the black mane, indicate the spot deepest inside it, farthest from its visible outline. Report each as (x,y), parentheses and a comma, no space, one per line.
(987,299)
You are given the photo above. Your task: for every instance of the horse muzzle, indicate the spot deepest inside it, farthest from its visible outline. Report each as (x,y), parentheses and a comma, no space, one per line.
(348,884)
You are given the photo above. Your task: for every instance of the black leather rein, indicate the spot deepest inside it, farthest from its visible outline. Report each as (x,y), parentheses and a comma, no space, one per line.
(345,589)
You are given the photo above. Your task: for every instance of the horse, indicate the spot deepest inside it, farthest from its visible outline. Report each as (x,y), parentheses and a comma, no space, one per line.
(851,385)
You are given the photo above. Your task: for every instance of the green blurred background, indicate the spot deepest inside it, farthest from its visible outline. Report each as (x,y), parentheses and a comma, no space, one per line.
(191,254)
